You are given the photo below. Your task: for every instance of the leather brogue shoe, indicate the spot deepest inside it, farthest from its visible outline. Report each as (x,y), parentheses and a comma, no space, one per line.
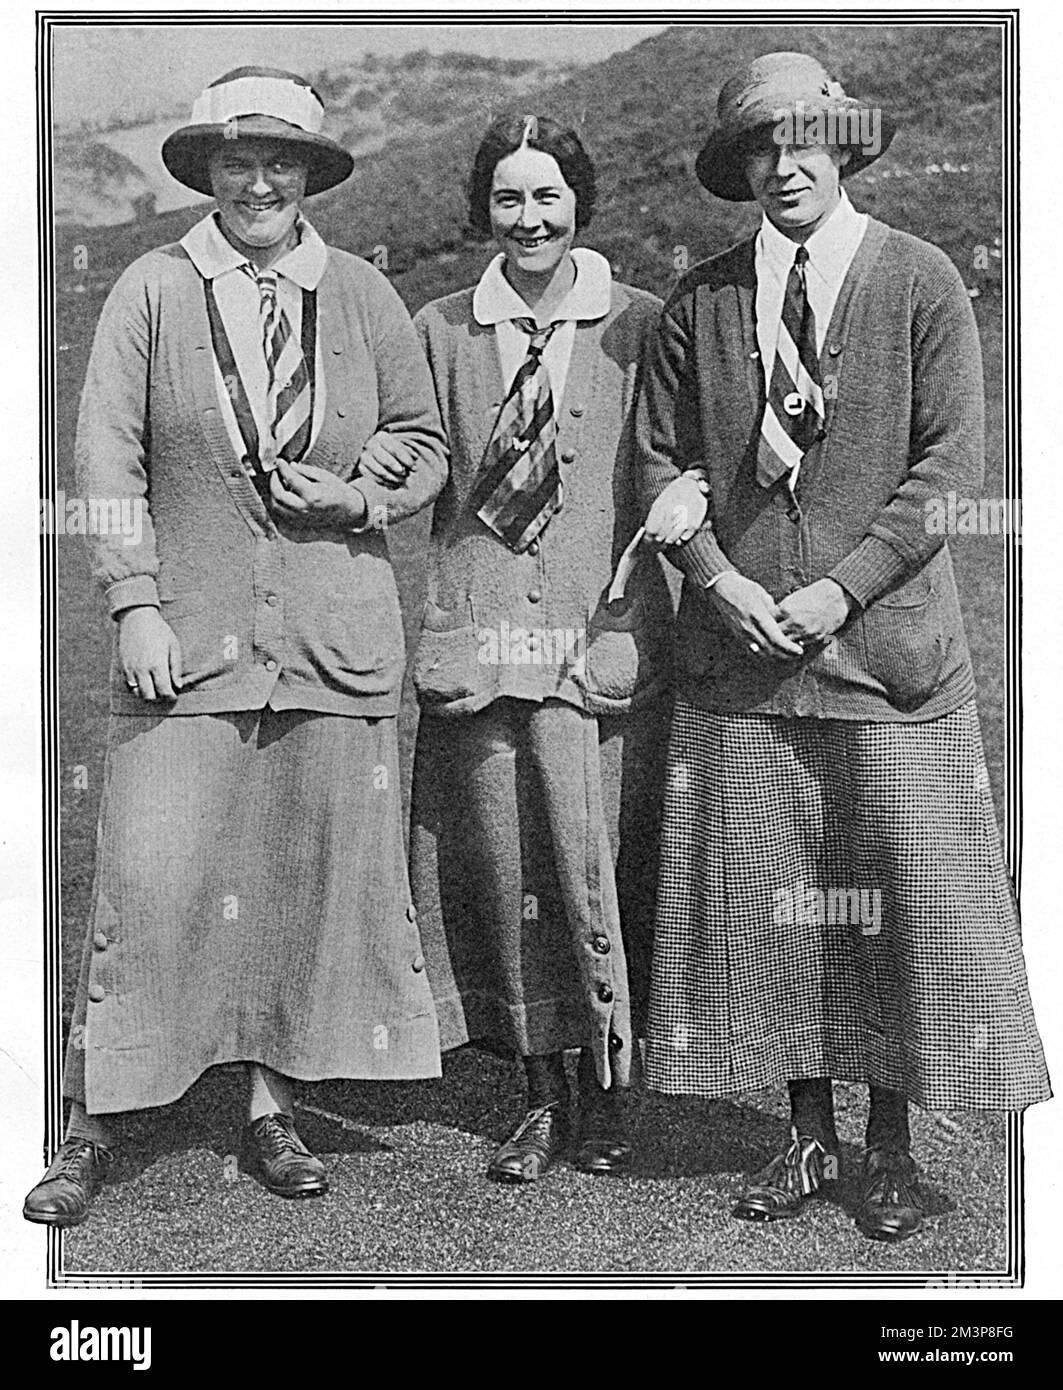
(533,1147)
(281,1160)
(779,1191)
(891,1206)
(63,1196)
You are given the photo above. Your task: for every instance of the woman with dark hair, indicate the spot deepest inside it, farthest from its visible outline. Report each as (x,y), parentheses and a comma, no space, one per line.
(537,775)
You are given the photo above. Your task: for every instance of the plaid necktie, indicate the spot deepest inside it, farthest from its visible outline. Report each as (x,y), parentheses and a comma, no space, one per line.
(288,381)
(520,489)
(793,412)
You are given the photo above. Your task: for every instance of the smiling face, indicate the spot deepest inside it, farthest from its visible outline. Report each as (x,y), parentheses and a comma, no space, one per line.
(258,185)
(798,186)
(533,212)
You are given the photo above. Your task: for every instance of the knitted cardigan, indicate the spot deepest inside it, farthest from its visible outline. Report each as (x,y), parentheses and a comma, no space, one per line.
(538,625)
(300,618)
(902,375)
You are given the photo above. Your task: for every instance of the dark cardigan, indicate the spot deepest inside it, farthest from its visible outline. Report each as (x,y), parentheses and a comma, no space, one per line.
(902,374)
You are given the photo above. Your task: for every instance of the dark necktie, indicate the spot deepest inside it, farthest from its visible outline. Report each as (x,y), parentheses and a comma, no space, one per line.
(793,411)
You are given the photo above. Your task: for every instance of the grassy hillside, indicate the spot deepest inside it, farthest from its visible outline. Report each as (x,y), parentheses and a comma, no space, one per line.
(370,103)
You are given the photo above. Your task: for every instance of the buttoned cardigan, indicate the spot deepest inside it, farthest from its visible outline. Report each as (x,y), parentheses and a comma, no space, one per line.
(478,589)
(295,617)
(902,377)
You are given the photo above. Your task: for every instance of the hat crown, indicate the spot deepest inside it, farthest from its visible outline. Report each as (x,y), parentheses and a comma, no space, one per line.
(254,91)
(777,81)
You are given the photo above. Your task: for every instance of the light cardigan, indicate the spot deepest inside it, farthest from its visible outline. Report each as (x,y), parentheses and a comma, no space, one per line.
(481,594)
(295,617)
(902,375)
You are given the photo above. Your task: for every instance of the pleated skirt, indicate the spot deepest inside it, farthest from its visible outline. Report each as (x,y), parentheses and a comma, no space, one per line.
(251,903)
(833,901)
(533,854)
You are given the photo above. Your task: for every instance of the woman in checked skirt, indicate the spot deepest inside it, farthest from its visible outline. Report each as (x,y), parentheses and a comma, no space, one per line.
(833,898)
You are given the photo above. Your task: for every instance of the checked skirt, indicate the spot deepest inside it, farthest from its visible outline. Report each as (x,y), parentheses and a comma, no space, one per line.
(771,961)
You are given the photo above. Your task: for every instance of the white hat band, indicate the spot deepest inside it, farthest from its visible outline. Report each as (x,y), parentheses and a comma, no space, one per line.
(260,96)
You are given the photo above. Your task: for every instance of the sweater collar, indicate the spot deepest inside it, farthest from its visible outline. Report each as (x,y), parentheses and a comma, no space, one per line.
(495,300)
(212,255)
(830,247)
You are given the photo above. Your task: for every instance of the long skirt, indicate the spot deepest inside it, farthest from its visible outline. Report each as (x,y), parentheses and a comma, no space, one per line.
(834,902)
(533,846)
(251,903)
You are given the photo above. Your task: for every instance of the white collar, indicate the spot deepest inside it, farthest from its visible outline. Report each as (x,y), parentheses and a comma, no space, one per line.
(495,300)
(830,247)
(213,255)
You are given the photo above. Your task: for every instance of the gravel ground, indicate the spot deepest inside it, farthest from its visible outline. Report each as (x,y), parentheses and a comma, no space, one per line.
(408,1194)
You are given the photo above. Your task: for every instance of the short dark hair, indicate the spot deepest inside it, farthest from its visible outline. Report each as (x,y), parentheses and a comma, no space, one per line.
(508,133)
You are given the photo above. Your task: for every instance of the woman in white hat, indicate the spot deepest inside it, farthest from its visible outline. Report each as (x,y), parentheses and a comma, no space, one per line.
(536,787)
(251,901)
(834,902)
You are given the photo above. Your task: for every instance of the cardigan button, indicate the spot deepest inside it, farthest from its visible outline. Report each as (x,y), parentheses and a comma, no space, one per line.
(100,941)
(337,348)
(341,411)
(616,1043)
(568,456)
(411,914)
(533,549)
(418,964)
(97,993)
(535,596)
(601,945)
(834,349)
(576,410)
(271,665)
(605,994)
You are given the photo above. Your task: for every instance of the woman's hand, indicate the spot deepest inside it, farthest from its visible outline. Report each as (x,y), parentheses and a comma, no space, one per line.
(149,654)
(816,612)
(752,615)
(307,495)
(677,514)
(387,459)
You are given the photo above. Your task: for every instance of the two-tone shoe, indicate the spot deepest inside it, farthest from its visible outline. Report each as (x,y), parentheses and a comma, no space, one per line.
(781,1189)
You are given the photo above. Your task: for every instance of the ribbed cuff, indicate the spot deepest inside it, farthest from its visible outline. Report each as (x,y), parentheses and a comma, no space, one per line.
(869,570)
(138,591)
(701,559)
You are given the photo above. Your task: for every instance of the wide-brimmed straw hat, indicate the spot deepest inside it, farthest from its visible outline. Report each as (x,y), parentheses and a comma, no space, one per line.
(260,104)
(772,89)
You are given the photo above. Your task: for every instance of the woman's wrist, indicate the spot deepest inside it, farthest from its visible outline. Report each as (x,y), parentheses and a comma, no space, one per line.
(358,507)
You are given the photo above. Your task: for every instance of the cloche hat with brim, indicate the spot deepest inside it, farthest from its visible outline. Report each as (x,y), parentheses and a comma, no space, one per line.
(776,86)
(260,104)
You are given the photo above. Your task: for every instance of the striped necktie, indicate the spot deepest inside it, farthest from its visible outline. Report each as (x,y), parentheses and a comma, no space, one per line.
(793,411)
(520,488)
(288,381)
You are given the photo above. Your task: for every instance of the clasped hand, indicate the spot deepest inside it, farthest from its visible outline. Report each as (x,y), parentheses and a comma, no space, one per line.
(780,630)
(306,495)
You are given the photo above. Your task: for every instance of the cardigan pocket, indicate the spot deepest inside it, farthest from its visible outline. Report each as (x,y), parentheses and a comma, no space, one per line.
(448,663)
(204,654)
(905,645)
(627,646)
